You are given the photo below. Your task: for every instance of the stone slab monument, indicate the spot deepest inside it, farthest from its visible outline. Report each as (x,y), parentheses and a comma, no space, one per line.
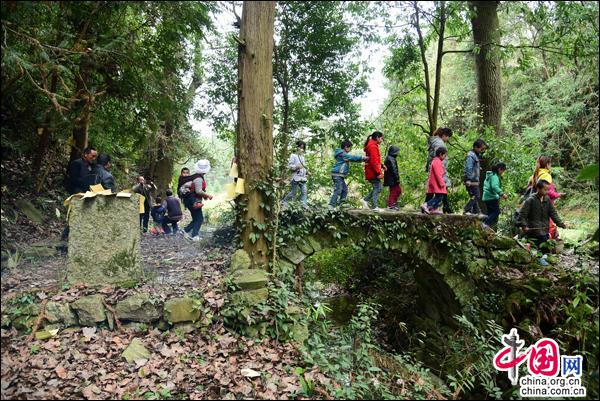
(104,241)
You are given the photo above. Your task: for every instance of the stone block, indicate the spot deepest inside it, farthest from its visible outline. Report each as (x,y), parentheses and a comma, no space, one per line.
(90,310)
(137,308)
(182,310)
(250,279)
(60,312)
(316,244)
(240,260)
(293,254)
(104,241)
(250,297)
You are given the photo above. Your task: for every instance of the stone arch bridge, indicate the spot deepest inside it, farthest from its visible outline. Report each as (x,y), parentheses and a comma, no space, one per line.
(459,267)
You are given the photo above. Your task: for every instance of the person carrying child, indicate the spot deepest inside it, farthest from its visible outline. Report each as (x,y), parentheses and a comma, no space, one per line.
(340,170)
(391,178)
(195,188)
(492,192)
(535,216)
(436,184)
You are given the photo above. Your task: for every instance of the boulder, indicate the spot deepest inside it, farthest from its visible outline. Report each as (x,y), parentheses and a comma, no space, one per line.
(90,310)
(293,254)
(182,310)
(240,260)
(250,297)
(250,279)
(136,351)
(137,308)
(104,241)
(60,312)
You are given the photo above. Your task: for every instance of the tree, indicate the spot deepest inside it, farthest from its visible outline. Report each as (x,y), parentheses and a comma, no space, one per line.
(255,123)
(486,36)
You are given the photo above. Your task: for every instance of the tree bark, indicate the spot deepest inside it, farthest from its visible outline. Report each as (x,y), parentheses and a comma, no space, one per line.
(438,66)
(425,68)
(82,121)
(255,130)
(486,36)
(46,134)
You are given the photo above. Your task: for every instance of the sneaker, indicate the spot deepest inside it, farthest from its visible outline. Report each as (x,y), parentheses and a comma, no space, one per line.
(195,239)
(425,208)
(436,211)
(378,210)
(467,214)
(482,216)
(365,204)
(543,262)
(394,208)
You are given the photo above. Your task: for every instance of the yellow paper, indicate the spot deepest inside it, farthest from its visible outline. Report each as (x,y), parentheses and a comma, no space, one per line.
(239,188)
(230,190)
(89,194)
(124,194)
(234,170)
(106,192)
(142,197)
(96,188)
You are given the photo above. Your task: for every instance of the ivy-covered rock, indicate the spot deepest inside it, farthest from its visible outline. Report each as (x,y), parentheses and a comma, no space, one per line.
(182,310)
(250,297)
(293,254)
(138,308)
(240,260)
(250,279)
(60,312)
(90,310)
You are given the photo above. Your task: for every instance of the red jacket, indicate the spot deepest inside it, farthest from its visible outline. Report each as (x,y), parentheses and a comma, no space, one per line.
(436,184)
(373,166)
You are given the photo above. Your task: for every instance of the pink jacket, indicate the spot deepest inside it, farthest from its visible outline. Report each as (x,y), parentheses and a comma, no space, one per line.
(436,184)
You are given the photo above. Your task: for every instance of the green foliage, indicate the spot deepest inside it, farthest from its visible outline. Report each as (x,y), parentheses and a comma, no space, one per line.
(470,354)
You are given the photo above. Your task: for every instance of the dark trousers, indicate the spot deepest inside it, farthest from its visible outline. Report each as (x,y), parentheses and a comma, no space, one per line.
(493,211)
(197,217)
(445,202)
(435,201)
(340,191)
(395,192)
(165,224)
(473,205)
(145,217)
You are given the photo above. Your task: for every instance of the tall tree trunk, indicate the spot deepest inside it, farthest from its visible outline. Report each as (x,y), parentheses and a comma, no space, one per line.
(438,65)
(486,35)
(163,169)
(255,131)
(417,25)
(82,121)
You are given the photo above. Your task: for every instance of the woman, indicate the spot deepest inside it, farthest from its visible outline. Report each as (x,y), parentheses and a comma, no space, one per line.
(542,172)
(373,169)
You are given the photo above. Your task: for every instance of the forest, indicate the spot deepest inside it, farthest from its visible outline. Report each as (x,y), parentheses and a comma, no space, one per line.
(280,296)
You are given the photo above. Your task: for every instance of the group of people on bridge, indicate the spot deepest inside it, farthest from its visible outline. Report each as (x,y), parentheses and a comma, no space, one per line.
(537,215)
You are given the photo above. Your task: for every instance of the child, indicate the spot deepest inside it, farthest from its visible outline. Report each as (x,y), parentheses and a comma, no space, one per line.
(492,192)
(436,184)
(535,216)
(340,171)
(299,174)
(158,212)
(471,177)
(373,170)
(391,178)
(438,139)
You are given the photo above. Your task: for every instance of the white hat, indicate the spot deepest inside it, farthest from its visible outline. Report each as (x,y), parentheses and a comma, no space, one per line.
(202,167)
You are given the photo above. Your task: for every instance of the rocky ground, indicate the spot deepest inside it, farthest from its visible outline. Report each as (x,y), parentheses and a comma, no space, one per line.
(88,363)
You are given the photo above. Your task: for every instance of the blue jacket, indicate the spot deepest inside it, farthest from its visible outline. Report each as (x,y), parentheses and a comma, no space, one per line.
(472,166)
(342,162)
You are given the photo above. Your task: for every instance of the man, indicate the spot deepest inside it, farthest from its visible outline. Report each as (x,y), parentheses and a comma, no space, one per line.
(80,175)
(145,189)
(81,172)
(471,177)
(535,216)
(104,175)
(299,174)
(173,215)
